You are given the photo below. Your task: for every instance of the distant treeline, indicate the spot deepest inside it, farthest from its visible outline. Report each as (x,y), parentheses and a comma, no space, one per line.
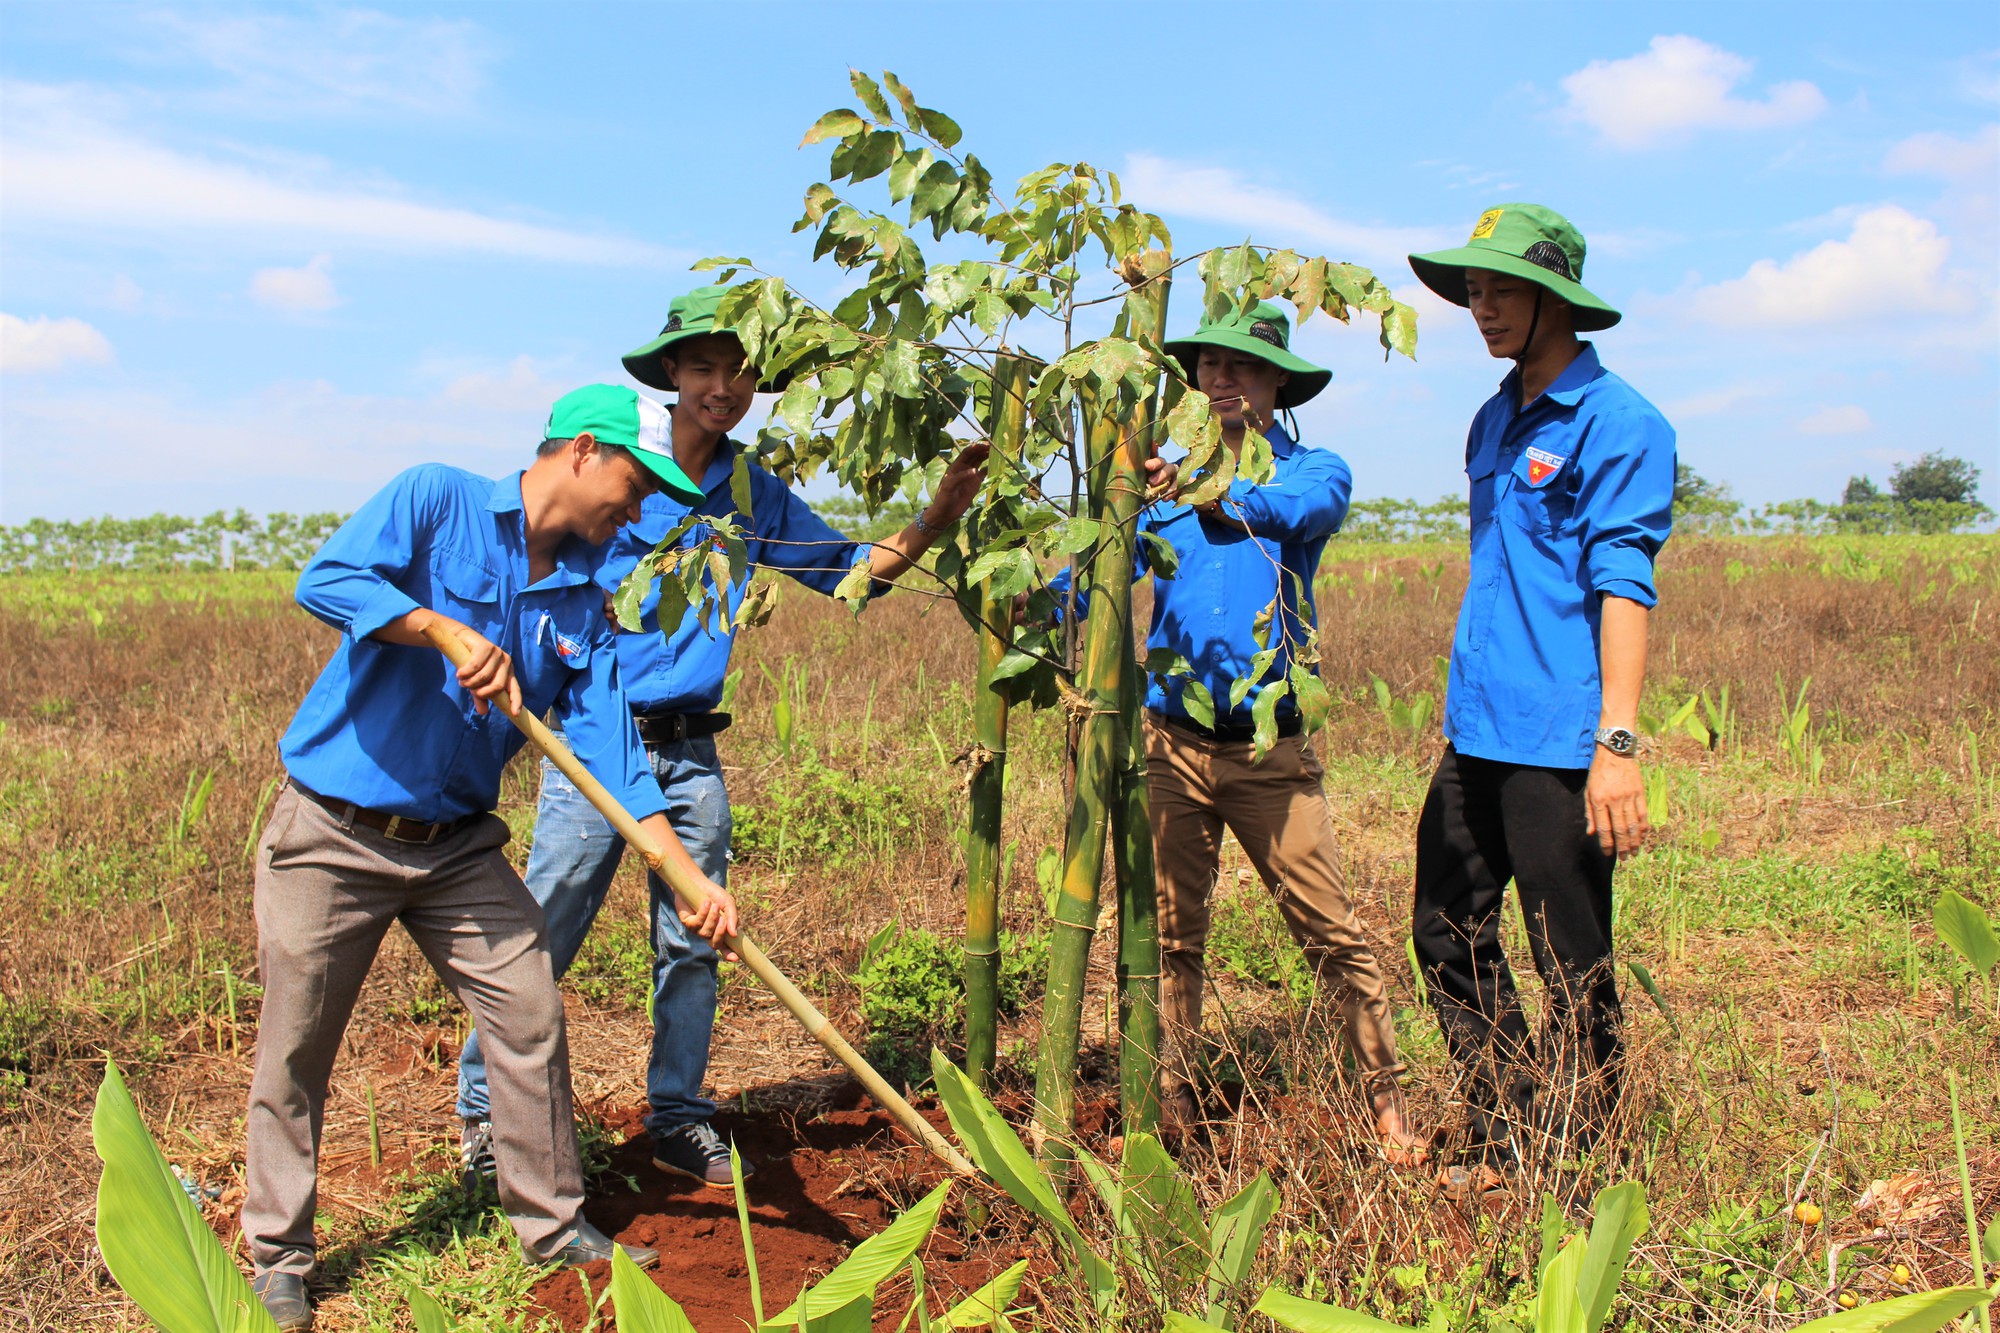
(286,541)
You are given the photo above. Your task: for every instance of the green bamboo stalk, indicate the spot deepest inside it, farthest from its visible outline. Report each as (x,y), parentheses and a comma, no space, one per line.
(989,766)
(1131,819)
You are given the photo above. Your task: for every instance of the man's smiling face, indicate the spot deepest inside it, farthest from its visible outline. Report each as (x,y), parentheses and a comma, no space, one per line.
(714,385)
(1503,306)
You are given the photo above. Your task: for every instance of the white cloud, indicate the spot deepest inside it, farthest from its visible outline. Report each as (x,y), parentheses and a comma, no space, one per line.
(1974,159)
(66,166)
(304,290)
(1217,194)
(126,294)
(1893,262)
(520,387)
(1680,84)
(1719,402)
(1847,419)
(37,346)
(337,60)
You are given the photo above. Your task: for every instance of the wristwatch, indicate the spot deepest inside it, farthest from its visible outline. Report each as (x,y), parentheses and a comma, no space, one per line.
(1619,740)
(926,529)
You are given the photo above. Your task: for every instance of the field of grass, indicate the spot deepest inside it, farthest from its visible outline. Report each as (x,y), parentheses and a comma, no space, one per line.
(1806,1016)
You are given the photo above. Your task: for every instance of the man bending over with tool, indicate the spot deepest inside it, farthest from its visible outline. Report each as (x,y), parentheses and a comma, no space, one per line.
(393,765)
(674,680)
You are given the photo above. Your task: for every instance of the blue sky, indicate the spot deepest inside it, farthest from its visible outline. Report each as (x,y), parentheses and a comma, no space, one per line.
(267,256)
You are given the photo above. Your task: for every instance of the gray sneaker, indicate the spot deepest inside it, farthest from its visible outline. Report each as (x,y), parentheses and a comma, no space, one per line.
(475,1155)
(284,1295)
(697,1152)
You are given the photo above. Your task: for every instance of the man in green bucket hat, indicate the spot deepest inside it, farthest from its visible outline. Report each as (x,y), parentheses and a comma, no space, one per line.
(1255,547)
(673,677)
(1572,477)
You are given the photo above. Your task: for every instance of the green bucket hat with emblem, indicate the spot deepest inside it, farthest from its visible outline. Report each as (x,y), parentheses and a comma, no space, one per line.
(688,316)
(616,415)
(1264,332)
(1526,241)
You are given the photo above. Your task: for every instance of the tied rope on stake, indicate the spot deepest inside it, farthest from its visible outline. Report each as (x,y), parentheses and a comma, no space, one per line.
(693,895)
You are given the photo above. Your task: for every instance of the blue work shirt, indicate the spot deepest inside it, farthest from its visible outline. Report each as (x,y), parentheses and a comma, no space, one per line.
(1572,498)
(388,727)
(682,672)
(1226,576)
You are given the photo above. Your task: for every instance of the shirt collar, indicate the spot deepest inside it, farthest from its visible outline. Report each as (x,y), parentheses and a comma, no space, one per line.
(506,496)
(573,555)
(1567,387)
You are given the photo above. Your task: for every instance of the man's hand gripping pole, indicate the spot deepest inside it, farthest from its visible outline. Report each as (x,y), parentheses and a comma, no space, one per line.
(693,895)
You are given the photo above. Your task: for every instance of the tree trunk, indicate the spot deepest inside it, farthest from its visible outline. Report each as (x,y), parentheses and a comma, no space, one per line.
(989,766)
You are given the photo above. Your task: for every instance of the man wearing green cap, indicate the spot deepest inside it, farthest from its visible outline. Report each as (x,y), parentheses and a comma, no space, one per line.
(674,676)
(1572,478)
(1255,547)
(393,767)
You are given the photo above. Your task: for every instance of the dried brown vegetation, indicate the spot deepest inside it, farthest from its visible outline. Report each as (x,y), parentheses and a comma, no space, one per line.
(1786,919)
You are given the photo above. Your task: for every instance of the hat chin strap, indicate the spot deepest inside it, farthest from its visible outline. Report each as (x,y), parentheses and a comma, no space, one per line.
(1533,324)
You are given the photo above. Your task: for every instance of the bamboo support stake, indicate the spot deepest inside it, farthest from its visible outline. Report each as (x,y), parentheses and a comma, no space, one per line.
(984,796)
(694,895)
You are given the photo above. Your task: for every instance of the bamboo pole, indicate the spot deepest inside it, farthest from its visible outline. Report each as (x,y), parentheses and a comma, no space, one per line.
(694,895)
(1100,682)
(989,768)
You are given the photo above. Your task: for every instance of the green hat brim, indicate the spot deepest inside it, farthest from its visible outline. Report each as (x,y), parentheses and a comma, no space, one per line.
(1306,379)
(1444,273)
(643,363)
(672,479)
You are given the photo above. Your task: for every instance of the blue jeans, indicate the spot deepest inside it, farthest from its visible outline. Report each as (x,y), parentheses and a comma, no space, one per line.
(575,855)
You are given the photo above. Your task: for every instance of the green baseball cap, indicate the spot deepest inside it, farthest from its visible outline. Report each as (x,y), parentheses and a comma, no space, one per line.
(616,415)
(688,316)
(1265,333)
(1527,241)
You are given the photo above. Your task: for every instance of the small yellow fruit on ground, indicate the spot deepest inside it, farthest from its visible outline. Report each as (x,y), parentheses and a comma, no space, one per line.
(1808,1214)
(1901,1272)
(1848,1300)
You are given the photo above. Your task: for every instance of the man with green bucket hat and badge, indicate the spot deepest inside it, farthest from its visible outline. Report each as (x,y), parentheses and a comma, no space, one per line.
(673,677)
(1257,545)
(1572,478)
(393,767)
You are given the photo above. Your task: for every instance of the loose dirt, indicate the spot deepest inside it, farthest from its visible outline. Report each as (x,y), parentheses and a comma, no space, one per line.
(825,1181)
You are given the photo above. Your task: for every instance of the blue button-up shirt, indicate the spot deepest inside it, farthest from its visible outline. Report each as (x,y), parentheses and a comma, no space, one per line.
(1572,497)
(683,671)
(1226,576)
(388,727)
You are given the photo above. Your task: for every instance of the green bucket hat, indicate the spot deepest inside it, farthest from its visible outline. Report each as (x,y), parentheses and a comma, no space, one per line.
(616,415)
(1527,241)
(1264,332)
(688,316)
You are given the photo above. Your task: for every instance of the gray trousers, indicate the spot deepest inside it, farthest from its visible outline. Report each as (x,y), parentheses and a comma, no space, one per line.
(326,894)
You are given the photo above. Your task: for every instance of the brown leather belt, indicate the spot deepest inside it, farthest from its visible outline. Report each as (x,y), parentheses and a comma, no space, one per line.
(396,828)
(667,728)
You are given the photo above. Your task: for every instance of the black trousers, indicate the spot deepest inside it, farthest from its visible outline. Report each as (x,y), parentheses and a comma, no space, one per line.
(1485,823)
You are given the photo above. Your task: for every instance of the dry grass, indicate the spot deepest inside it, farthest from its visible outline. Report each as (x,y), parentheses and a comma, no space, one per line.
(1786,921)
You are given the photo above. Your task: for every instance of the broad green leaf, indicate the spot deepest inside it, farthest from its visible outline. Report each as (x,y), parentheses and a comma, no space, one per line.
(939,126)
(1264,717)
(631,593)
(902,371)
(1558,1308)
(998,1151)
(1304,1316)
(1200,704)
(1015,663)
(153,1238)
(1309,691)
(425,1312)
(1234,1234)
(1161,558)
(739,483)
(1552,1222)
(901,94)
(1167,662)
(833,125)
(870,94)
(990,1302)
(1925,1312)
(641,1306)
(856,586)
(1618,1218)
(1161,1205)
(1399,330)
(848,1292)
(1187,1323)
(1963,926)
(1989,1244)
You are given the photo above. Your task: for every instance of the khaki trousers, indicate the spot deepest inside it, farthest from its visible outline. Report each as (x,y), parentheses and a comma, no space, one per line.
(326,894)
(1278,812)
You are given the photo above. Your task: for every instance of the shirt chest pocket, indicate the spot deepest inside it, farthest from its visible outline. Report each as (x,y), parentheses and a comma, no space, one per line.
(1485,486)
(1539,490)
(466,591)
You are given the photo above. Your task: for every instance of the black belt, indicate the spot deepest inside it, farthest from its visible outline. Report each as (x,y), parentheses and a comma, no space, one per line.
(396,828)
(666,728)
(1288,725)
